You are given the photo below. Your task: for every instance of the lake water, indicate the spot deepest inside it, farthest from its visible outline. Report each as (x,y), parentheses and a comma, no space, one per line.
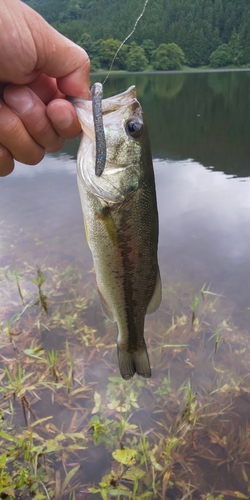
(189,423)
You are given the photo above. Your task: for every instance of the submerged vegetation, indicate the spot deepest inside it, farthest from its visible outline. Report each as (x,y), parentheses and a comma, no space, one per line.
(72,428)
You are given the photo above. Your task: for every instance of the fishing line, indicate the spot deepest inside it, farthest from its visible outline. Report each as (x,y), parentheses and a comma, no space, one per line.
(96,91)
(125,40)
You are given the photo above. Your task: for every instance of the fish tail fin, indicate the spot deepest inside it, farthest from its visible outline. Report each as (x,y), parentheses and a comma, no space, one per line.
(131,363)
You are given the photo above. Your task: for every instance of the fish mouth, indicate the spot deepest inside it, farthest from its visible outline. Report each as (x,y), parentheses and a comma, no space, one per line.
(97,108)
(115,112)
(123,99)
(84,108)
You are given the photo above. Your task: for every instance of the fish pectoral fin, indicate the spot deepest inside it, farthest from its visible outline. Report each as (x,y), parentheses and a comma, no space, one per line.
(105,217)
(105,307)
(131,363)
(86,231)
(156,297)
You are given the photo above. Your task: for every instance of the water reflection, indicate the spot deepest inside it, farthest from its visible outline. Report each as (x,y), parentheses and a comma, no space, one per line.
(202,116)
(204,230)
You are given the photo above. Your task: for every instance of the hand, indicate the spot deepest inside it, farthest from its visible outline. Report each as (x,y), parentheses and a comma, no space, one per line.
(38,67)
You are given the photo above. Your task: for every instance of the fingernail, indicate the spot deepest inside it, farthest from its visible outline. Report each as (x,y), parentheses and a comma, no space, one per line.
(86,94)
(19,100)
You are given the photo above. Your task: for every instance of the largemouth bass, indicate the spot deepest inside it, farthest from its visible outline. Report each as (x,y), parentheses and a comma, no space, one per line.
(121,222)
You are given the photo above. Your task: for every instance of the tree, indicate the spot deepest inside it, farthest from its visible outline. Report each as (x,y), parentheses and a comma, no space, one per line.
(245,40)
(73,11)
(85,41)
(194,49)
(148,46)
(220,57)
(136,59)
(92,48)
(168,57)
(108,49)
(95,63)
(218,20)
(236,50)
(71,30)
(199,27)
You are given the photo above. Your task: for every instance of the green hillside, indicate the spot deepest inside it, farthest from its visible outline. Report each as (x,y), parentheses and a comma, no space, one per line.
(198,27)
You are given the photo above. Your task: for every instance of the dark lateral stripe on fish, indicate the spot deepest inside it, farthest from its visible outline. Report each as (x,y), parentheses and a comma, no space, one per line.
(100,161)
(135,321)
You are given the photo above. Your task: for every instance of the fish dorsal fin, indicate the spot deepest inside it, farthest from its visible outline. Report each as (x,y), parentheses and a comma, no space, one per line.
(156,297)
(105,307)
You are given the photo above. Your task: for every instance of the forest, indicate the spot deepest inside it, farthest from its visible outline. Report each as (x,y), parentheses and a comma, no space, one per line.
(172,34)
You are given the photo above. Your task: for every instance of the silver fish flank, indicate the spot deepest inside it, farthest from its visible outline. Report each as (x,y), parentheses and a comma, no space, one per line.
(121,222)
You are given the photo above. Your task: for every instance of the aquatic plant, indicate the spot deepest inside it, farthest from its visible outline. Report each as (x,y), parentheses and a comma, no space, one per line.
(72,428)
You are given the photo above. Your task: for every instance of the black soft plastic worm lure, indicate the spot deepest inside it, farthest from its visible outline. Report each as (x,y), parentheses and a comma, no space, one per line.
(100,160)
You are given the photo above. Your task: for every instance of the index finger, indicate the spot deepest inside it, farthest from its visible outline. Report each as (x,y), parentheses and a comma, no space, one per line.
(59,57)
(39,48)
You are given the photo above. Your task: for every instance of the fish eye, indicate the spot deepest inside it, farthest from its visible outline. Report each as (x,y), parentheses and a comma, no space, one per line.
(134,128)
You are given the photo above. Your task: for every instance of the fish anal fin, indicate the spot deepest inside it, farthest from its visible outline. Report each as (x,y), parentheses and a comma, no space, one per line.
(105,307)
(131,363)
(156,297)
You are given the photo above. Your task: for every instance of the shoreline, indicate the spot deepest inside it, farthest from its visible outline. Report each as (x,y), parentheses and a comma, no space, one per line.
(175,71)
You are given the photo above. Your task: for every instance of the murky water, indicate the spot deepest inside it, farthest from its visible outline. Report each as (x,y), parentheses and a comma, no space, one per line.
(199,127)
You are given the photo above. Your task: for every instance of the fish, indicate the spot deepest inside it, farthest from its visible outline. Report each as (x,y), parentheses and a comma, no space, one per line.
(121,222)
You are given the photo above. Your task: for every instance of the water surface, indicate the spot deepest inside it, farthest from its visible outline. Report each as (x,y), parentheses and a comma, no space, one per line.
(199,127)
